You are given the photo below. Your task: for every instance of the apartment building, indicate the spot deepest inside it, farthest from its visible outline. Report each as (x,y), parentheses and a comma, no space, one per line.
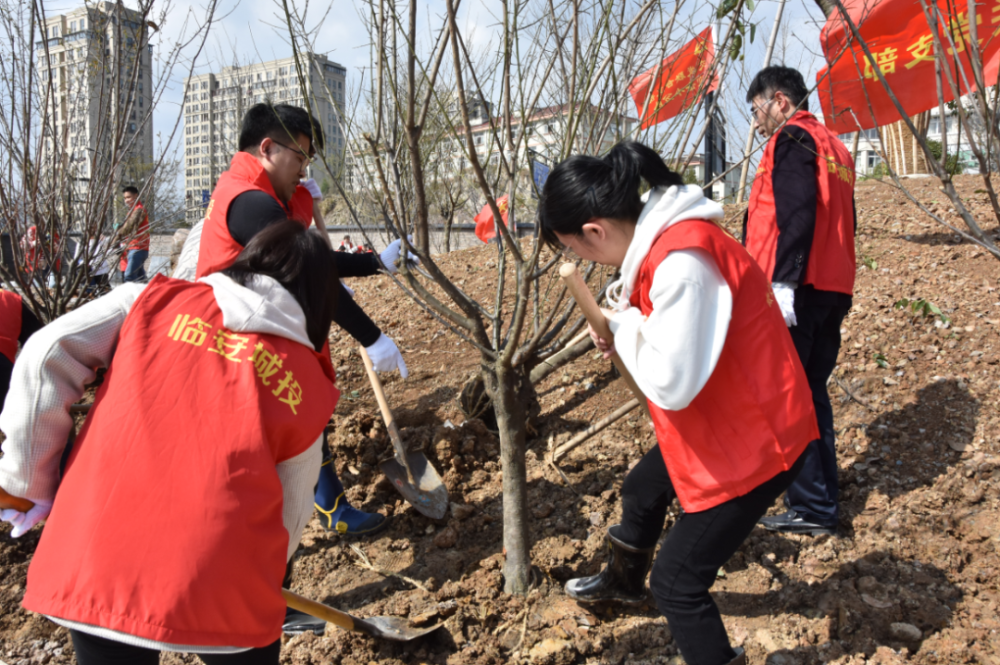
(214,105)
(870,148)
(96,75)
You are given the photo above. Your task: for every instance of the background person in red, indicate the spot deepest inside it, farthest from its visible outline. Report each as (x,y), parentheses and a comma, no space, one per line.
(800,228)
(695,325)
(17,324)
(136,231)
(188,487)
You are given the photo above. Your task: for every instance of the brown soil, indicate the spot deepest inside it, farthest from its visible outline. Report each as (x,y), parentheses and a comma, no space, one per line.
(919,450)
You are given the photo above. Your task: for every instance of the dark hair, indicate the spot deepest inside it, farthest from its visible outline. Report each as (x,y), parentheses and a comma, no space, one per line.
(130,189)
(300,262)
(278,122)
(789,81)
(584,187)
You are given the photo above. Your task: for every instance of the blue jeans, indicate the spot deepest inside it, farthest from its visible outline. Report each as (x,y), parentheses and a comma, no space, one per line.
(135,272)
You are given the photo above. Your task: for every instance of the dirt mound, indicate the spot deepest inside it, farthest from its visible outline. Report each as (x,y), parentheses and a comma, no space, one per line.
(912,579)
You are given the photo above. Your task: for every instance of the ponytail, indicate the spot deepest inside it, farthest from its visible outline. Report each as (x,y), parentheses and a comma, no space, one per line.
(584,187)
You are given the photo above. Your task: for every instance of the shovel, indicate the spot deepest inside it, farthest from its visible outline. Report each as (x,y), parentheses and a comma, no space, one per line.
(390,628)
(411,473)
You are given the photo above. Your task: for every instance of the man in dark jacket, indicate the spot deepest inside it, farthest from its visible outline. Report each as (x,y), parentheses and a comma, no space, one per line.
(800,229)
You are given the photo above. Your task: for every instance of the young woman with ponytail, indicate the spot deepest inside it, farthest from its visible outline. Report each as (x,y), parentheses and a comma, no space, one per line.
(695,322)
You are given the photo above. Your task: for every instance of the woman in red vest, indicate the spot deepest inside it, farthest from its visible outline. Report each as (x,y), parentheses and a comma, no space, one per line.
(188,486)
(695,323)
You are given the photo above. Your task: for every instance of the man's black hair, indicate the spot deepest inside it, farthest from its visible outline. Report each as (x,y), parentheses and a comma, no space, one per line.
(130,189)
(300,261)
(281,123)
(789,81)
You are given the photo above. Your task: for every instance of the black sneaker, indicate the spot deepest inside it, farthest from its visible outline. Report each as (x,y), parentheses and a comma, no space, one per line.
(297,623)
(792,522)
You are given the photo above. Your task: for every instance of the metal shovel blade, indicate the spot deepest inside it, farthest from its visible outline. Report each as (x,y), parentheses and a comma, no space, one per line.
(427,493)
(391,628)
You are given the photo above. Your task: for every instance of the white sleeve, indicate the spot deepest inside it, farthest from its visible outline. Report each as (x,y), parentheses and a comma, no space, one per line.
(49,375)
(672,353)
(187,263)
(298,477)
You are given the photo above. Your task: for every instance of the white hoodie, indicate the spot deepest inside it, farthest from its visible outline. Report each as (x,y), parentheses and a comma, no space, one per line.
(672,352)
(58,360)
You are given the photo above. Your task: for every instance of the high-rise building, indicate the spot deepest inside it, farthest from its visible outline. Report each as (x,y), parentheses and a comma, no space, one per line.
(96,78)
(214,105)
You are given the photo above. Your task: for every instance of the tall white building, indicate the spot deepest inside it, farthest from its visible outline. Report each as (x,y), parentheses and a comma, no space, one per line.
(96,75)
(214,105)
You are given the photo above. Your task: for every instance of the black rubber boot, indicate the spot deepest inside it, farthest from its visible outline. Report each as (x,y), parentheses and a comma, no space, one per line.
(741,657)
(623,578)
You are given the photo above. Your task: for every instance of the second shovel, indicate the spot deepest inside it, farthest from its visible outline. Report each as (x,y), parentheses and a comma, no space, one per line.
(411,473)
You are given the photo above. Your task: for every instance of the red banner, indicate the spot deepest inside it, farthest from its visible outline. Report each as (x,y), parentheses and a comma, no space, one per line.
(683,78)
(902,45)
(485,228)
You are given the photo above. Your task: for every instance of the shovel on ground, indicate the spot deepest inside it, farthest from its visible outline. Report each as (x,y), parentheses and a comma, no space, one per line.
(390,628)
(410,473)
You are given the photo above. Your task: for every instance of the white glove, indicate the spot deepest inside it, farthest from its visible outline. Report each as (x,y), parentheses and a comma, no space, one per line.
(24,521)
(349,290)
(313,188)
(386,357)
(784,293)
(391,254)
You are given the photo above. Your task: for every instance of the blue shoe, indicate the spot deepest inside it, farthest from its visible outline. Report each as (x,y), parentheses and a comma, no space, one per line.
(336,513)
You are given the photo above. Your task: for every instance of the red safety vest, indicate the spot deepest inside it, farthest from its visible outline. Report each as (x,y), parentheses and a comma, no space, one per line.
(168,524)
(218,250)
(831,265)
(755,416)
(140,241)
(10,324)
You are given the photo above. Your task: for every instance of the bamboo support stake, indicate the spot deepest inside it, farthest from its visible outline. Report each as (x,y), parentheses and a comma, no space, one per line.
(580,437)
(585,300)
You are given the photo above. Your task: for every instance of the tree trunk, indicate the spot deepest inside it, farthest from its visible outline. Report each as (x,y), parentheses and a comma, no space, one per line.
(501,383)
(449,220)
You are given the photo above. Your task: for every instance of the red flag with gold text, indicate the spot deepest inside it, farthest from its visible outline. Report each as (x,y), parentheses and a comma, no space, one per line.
(485,228)
(680,80)
(902,45)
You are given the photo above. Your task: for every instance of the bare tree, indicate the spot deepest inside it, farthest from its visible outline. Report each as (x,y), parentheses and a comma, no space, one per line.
(81,91)
(554,67)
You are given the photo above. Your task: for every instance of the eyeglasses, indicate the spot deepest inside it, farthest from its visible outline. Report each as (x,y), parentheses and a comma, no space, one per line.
(303,157)
(754,109)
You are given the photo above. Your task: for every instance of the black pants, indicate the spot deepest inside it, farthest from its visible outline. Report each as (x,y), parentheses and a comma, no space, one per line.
(94,650)
(817,339)
(694,550)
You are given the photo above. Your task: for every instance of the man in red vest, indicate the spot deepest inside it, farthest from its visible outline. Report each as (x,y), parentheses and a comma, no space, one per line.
(136,231)
(799,228)
(262,186)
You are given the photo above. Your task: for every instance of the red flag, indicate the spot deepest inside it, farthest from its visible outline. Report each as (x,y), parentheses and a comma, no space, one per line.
(485,229)
(683,79)
(901,42)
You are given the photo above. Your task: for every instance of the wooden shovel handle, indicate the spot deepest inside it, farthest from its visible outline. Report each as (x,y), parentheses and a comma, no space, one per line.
(318,610)
(390,421)
(577,288)
(15,502)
